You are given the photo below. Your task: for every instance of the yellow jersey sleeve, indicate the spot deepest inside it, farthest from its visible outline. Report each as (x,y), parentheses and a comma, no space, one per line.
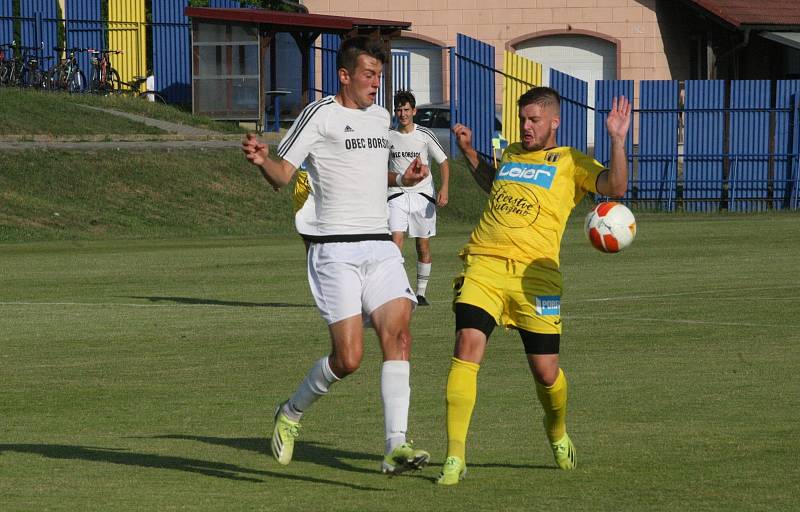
(532,196)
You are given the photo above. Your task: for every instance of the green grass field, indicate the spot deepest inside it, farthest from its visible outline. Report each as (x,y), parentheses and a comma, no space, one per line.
(154,309)
(142,375)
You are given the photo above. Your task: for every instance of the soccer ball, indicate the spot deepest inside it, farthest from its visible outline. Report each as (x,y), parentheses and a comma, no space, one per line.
(610,227)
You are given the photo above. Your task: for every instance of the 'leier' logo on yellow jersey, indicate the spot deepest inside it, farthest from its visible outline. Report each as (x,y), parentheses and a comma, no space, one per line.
(531,198)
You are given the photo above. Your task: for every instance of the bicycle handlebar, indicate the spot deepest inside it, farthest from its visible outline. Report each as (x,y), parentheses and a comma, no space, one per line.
(92,50)
(62,49)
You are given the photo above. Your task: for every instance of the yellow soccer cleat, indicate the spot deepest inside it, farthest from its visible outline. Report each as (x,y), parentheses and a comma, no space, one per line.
(564,453)
(283,436)
(404,458)
(453,471)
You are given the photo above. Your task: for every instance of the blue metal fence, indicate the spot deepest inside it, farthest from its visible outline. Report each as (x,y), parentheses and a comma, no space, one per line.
(6,21)
(39,18)
(749,144)
(330,78)
(474,103)
(658,144)
(605,92)
(574,109)
(171,46)
(787,143)
(83,29)
(704,136)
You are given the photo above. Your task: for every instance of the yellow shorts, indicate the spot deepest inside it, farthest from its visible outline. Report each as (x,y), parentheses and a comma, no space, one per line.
(301,190)
(515,294)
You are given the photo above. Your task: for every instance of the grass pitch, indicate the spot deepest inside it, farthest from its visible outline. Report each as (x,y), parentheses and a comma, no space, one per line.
(142,375)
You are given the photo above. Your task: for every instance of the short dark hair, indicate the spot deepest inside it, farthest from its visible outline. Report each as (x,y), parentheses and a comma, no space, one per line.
(403,97)
(353,47)
(544,96)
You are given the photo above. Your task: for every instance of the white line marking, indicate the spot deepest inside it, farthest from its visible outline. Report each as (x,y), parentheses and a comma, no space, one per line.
(685,294)
(679,321)
(115,304)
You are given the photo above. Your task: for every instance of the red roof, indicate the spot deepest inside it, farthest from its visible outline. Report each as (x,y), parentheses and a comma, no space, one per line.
(753,12)
(291,19)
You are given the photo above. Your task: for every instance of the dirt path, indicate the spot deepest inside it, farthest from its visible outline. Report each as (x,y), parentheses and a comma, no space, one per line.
(180,136)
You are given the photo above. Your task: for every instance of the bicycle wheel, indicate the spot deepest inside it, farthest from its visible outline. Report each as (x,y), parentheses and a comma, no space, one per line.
(112,81)
(77,82)
(152,97)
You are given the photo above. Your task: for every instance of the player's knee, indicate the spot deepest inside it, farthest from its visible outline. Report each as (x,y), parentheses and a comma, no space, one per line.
(344,364)
(396,343)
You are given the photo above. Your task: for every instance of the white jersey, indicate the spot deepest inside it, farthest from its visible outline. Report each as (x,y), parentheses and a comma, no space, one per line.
(405,147)
(346,152)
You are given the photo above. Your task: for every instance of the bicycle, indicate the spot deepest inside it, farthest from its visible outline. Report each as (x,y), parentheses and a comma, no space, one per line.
(67,74)
(23,69)
(134,89)
(105,79)
(6,63)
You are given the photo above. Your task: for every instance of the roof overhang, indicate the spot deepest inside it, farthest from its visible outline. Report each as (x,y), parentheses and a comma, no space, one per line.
(790,39)
(296,22)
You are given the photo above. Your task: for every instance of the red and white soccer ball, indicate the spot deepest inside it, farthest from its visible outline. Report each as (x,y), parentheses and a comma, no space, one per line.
(610,227)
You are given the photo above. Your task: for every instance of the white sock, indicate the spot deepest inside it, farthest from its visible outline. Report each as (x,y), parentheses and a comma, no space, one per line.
(316,384)
(423,274)
(396,395)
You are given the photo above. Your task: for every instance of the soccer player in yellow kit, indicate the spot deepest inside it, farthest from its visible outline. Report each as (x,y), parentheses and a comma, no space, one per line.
(511,271)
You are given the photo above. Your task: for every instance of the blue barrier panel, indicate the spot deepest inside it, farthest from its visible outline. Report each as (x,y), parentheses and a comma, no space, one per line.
(312,76)
(475,80)
(330,78)
(84,29)
(224,4)
(172,66)
(703,148)
(748,175)
(787,92)
(6,22)
(656,182)
(401,77)
(574,98)
(605,92)
(39,27)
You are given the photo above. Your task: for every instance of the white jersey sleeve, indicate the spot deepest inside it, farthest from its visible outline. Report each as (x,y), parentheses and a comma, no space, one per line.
(304,134)
(435,149)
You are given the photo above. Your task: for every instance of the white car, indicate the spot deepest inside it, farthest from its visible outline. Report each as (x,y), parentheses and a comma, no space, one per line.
(436,117)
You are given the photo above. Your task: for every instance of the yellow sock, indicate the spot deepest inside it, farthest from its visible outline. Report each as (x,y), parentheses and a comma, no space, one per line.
(554,402)
(462,391)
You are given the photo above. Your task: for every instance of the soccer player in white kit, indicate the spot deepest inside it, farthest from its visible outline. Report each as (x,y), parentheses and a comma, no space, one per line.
(355,271)
(412,208)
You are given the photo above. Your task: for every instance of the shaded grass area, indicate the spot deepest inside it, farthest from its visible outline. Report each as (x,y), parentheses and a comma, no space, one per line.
(30,112)
(116,194)
(27,112)
(142,374)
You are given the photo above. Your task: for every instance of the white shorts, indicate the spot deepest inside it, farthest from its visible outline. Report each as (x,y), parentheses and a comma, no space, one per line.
(413,213)
(352,278)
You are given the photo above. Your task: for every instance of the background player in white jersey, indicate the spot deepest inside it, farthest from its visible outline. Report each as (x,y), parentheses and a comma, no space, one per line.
(412,208)
(355,271)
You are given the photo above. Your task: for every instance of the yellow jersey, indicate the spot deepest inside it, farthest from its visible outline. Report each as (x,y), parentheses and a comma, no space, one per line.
(532,196)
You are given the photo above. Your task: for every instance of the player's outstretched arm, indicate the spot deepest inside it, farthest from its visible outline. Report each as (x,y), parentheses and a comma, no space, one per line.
(482,172)
(414,173)
(614,183)
(277,172)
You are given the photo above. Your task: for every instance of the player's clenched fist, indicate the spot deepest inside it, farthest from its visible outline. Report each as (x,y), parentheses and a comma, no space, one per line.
(415,172)
(256,152)
(463,136)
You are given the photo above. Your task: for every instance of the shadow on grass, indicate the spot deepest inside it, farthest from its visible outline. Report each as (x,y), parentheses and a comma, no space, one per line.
(147,460)
(214,302)
(304,451)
